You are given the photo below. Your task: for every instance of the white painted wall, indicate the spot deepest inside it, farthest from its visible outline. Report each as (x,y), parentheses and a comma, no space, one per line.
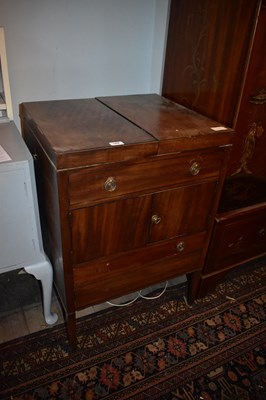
(60,49)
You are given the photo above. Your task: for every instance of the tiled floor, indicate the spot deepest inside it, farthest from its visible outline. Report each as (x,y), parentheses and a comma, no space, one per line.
(29,318)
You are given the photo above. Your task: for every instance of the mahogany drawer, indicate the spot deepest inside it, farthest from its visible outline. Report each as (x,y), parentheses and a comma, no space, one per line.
(90,185)
(241,235)
(109,277)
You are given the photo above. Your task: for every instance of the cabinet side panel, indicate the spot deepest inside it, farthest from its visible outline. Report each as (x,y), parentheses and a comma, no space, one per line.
(47,191)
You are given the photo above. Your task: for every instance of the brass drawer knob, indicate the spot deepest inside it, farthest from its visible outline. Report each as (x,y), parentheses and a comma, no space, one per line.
(195,168)
(155,219)
(180,246)
(110,184)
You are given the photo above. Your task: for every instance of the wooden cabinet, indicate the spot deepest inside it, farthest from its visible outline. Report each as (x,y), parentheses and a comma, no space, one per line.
(128,189)
(240,238)
(215,65)
(239,228)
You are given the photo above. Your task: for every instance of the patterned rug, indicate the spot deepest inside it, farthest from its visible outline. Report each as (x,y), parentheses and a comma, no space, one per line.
(152,349)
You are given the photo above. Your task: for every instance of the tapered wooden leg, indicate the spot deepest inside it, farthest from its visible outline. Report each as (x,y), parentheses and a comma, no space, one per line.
(194,279)
(72,330)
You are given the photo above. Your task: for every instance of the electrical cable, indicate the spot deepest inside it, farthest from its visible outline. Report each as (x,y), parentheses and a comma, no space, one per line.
(139,294)
(154,297)
(123,304)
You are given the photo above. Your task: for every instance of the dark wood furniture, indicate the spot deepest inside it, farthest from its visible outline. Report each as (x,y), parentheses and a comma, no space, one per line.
(239,233)
(128,189)
(207,55)
(215,64)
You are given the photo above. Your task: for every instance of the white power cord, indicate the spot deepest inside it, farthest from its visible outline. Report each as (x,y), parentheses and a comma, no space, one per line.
(139,294)
(154,297)
(123,304)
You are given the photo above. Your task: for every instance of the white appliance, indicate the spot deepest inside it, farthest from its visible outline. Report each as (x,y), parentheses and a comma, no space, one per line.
(21,243)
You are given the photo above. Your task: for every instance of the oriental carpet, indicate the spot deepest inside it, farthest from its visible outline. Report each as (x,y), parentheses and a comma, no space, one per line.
(158,349)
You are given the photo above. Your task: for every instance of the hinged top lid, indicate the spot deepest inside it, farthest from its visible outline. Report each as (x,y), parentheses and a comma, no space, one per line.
(76,133)
(176,127)
(83,132)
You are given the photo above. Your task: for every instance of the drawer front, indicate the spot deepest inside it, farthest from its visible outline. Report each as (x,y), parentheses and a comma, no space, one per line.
(129,223)
(109,228)
(110,277)
(239,238)
(181,211)
(101,183)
